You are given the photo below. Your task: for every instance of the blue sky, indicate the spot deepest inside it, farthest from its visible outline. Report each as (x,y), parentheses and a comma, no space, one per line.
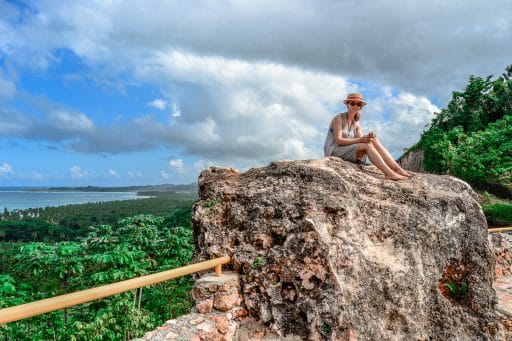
(116,93)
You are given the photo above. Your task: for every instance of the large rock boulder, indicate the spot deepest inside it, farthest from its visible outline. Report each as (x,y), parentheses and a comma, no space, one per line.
(326,249)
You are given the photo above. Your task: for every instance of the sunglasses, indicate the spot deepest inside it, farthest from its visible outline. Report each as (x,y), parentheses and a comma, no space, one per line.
(352,104)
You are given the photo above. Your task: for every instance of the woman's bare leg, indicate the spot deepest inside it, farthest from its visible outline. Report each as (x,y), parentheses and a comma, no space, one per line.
(376,159)
(388,159)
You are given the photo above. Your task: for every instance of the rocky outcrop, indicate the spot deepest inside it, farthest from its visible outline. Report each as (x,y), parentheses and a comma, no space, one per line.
(501,245)
(215,317)
(330,250)
(412,161)
(502,249)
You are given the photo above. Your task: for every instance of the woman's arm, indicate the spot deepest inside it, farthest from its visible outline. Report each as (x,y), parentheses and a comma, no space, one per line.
(359,132)
(337,125)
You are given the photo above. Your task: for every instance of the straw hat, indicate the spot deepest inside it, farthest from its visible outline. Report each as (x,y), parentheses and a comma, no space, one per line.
(356,97)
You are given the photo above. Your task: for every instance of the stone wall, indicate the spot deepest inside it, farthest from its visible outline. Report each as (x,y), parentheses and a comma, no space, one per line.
(218,315)
(502,249)
(215,316)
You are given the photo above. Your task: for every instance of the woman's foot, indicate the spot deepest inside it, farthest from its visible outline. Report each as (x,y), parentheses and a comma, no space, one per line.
(395,177)
(402,172)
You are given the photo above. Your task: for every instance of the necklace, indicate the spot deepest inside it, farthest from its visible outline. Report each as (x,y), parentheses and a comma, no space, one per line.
(350,124)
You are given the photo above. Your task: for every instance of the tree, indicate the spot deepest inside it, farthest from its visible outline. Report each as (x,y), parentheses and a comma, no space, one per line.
(471,137)
(135,246)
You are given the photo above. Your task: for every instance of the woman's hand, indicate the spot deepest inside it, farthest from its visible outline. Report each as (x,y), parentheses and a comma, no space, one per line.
(365,139)
(368,138)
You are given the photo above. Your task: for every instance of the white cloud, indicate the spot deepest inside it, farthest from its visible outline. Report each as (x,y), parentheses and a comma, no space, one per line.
(201,165)
(176,112)
(254,110)
(178,163)
(398,120)
(78,173)
(5,169)
(54,124)
(260,80)
(14,123)
(70,121)
(420,48)
(36,176)
(267,111)
(165,175)
(158,104)
(113,173)
(135,174)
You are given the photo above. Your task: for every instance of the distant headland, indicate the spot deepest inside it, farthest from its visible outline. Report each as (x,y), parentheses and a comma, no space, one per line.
(144,188)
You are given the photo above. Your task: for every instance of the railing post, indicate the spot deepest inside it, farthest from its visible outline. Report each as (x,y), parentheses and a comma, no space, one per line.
(140,296)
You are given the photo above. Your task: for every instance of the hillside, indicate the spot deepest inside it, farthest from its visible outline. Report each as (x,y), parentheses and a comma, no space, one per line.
(472,137)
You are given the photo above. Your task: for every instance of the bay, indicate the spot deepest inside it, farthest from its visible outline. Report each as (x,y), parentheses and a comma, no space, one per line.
(16,199)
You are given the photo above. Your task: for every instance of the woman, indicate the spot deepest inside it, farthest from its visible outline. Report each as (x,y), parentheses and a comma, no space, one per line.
(346,140)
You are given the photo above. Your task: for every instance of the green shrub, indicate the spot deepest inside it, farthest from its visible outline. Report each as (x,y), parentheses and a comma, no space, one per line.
(135,246)
(258,262)
(499,214)
(484,156)
(472,137)
(457,290)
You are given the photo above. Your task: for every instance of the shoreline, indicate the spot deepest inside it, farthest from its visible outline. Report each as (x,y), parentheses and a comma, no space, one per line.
(27,200)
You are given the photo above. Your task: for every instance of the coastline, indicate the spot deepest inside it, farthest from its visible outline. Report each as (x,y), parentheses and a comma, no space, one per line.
(22,200)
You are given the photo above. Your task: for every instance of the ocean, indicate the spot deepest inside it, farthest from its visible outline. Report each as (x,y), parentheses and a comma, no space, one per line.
(17,198)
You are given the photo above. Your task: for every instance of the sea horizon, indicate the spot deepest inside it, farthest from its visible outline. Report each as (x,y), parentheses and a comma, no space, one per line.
(122,188)
(20,199)
(54,188)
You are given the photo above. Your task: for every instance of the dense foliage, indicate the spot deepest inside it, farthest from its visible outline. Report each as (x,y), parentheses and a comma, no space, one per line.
(34,229)
(499,214)
(478,157)
(136,246)
(472,137)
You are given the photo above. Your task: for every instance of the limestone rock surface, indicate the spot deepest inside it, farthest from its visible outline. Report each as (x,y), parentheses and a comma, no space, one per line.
(326,249)
(413,161)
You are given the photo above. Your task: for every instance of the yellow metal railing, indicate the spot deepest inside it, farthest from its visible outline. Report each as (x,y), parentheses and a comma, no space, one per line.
(499,229)
(23,311)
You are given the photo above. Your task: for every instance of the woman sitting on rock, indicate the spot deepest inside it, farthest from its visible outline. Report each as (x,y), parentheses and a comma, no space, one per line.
(346,140)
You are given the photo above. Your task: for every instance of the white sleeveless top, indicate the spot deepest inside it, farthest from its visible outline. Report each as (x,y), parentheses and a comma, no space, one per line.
(347,152)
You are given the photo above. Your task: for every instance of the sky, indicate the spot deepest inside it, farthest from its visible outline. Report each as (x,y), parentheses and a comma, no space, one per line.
(119,93)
